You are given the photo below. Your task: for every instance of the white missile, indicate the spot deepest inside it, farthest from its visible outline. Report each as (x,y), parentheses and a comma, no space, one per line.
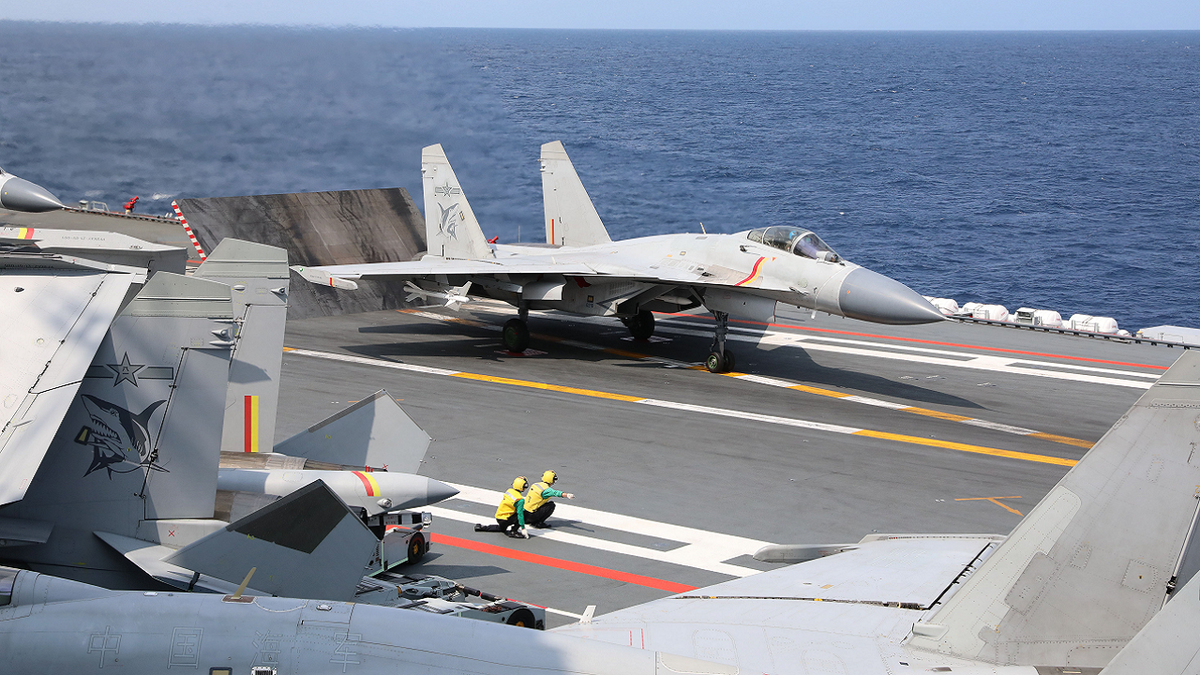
(375,491)
(453,297)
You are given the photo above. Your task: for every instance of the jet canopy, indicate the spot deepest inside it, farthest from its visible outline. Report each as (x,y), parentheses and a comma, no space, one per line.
(794,240)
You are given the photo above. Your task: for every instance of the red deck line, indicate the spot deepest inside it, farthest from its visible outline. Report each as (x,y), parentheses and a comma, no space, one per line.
(570,566)
(927,342)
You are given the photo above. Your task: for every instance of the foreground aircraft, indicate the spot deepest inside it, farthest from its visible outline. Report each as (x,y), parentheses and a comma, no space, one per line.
(50,625)
(582,271)
(1075,581)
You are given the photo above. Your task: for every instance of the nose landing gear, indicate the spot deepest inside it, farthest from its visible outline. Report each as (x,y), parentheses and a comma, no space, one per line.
(720,360)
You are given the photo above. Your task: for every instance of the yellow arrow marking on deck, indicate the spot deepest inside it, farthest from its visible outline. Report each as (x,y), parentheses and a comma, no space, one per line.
(994,500)
(688,407)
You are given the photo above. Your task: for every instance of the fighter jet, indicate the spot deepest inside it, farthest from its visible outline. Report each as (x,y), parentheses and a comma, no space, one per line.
(1076,580)
(582,271)
(18,194)
(50,625)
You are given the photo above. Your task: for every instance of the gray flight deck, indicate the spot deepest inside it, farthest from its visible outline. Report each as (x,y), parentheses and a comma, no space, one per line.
(696,455)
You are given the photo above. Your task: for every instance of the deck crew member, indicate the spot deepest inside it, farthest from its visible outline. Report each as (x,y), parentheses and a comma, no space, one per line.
(510,515)
(538,506)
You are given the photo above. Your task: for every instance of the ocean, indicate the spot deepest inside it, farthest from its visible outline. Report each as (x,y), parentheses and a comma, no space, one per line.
(1051,170)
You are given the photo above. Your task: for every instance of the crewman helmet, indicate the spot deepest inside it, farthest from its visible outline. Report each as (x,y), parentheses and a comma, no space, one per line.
(549,477)
(520,482)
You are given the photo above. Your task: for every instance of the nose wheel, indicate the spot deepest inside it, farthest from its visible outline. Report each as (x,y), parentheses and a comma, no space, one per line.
(720,359)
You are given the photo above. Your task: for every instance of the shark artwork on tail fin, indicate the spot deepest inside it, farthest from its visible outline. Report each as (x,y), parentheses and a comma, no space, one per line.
(120,439)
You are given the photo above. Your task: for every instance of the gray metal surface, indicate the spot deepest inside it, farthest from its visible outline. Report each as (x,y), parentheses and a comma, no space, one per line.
(55,321)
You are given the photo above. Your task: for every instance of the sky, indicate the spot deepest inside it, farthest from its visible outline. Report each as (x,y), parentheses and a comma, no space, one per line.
(635,14)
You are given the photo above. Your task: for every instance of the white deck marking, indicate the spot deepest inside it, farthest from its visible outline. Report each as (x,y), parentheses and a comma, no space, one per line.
(702,549)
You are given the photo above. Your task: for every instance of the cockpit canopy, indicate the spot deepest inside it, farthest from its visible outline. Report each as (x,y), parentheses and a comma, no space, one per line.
(794,240)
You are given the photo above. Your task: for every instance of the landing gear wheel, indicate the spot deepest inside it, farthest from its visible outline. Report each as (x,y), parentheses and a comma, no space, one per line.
(715,363)
(730,362)
(416,548)
(641,325)
(516,336)
(522,617)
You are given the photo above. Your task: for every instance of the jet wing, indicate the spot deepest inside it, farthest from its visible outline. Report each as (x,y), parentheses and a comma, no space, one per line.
(54,319)
(665,271)
(833,607)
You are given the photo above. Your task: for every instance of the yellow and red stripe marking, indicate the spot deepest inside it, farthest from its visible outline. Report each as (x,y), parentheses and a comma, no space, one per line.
(559,563)
(250,407)
(368,482)
(24,233)
(754,273)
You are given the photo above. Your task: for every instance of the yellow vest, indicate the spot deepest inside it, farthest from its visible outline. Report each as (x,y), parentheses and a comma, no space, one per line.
(533,498)
(508,505)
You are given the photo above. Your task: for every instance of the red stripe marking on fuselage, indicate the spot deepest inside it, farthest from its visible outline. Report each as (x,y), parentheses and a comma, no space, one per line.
(570,566)
(930,342)
(366,483)
(753,273)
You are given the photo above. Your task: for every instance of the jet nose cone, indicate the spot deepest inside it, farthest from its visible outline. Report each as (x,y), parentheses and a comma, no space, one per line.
(436,491)
(19,194)
(870,296)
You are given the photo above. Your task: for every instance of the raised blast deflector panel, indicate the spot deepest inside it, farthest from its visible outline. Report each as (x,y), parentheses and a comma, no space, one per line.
(571,218)
(321,228)
(54,322)
(451,228)
(374,432)
(259,278)
(306,544)
(1092,562)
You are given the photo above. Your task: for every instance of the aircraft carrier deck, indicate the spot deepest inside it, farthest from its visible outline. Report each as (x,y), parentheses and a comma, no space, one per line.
(830,429)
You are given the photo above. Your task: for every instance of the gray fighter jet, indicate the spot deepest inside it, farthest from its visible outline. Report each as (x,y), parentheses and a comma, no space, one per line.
(582,271)
(18,194)
(50,625)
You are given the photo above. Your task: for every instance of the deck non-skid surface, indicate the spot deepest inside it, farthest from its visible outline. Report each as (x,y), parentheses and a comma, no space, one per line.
(827,430)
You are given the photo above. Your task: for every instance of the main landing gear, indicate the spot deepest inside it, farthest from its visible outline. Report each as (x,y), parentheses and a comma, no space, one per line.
(640,325)
(516,332)
(720,360)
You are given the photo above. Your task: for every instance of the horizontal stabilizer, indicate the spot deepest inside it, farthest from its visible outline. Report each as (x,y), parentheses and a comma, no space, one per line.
(374,432)
(308,544)
(20,532)
(571,218)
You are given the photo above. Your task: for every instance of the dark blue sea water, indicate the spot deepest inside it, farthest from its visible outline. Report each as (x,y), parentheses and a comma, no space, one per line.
(1056,170)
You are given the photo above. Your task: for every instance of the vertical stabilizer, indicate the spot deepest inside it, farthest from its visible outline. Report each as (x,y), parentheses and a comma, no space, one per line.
(259,277)
(571,218)
(141,438)
(451,230)
(1096,558)
(54,321)
(374,432)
